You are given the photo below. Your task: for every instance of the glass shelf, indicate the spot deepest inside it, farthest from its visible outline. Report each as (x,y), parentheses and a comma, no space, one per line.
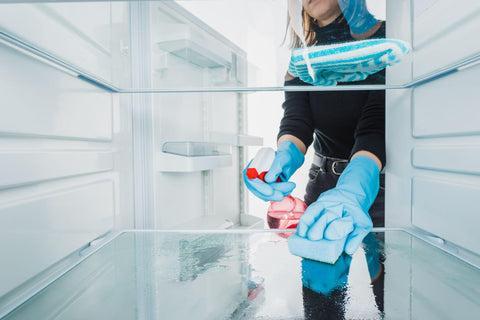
(252,275)
(200,46)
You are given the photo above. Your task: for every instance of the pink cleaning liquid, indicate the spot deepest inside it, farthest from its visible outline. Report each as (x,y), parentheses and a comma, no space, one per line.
(285,214)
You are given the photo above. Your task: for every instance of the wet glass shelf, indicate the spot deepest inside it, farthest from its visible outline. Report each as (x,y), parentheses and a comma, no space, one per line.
(166,46)
(252,275)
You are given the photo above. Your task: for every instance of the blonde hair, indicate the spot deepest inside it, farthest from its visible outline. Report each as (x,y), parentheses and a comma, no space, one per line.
(308,30)
(309,24)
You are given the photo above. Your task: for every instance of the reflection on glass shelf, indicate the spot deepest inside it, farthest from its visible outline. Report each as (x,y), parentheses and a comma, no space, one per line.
(251,275)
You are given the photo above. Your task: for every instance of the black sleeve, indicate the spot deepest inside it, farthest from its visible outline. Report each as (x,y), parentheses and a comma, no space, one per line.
(370,131)
(297,117)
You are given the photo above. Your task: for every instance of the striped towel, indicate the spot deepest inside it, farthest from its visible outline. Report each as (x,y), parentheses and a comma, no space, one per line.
(346,62)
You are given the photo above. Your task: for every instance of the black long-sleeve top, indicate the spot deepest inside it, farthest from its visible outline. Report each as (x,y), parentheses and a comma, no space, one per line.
(343,122)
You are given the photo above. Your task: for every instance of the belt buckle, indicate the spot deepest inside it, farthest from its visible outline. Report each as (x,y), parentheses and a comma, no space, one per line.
(334,164)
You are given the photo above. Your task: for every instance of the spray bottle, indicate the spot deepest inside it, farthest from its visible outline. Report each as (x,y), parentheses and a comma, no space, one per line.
(283,214)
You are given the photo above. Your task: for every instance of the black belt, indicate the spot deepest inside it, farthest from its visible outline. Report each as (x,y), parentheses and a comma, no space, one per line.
(328,164)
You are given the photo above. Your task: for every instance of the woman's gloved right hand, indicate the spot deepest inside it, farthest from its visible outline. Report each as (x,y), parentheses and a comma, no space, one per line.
(288,158)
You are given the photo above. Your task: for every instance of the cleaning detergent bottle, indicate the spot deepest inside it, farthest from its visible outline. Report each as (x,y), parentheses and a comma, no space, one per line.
(260,165)
(283,214)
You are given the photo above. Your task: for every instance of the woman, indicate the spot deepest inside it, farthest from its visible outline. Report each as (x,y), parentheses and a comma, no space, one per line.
(347,129)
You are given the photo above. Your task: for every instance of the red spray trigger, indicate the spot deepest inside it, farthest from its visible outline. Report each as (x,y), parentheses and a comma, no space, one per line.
(260,165)
(252,173)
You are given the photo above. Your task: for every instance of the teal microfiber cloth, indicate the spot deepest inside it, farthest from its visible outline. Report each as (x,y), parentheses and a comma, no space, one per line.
(345,62)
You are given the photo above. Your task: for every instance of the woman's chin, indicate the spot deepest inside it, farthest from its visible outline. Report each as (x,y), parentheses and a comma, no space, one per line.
(323,10)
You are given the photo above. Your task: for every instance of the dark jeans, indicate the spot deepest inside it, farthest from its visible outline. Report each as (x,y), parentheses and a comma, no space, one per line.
(317,306)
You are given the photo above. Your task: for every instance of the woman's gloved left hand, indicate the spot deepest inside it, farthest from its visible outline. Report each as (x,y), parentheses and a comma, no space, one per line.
(342,212)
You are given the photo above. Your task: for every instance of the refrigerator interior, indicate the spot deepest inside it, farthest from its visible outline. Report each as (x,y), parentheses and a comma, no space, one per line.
(135,115)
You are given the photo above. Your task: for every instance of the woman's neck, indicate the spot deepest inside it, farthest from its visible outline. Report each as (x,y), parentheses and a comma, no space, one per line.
(322,22)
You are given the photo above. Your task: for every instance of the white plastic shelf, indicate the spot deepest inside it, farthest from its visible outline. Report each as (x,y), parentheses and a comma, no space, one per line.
(237,140)
(251,222)
(193,52)
(215,222)
(193,149)
(208,222)
(176,163)
(192,45)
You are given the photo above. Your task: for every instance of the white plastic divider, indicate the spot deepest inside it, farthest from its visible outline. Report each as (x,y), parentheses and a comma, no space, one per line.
(29,167)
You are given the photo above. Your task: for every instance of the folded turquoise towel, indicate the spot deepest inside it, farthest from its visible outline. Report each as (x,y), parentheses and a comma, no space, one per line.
(346,62)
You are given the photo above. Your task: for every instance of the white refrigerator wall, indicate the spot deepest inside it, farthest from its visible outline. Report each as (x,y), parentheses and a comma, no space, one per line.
(65,145)
(432,172)
(433,130)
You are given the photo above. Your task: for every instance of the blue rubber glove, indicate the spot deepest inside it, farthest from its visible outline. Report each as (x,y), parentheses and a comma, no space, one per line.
(348,202)
(357,15)
(288,159)
(324,278)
